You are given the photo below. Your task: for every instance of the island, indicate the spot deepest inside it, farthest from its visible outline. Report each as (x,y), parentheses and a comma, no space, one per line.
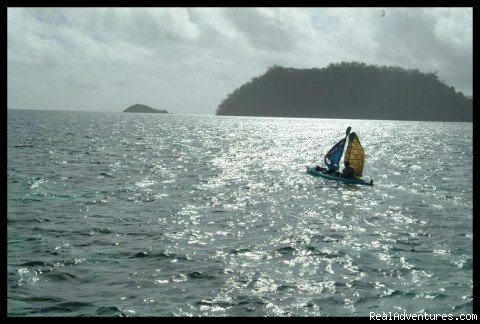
(138,108)
(349,90)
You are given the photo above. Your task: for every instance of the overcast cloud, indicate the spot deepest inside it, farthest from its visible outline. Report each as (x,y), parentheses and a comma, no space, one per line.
(187,60)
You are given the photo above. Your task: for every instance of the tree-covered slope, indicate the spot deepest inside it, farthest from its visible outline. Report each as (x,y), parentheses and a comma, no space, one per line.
(348,90)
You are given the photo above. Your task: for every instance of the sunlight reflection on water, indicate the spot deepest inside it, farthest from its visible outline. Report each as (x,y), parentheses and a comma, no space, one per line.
(216,216)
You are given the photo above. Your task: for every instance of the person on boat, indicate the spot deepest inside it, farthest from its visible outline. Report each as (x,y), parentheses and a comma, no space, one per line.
(330,169)
(348,172)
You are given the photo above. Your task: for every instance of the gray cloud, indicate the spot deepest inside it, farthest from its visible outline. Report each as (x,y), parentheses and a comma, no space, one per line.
(429,40)
(186,60)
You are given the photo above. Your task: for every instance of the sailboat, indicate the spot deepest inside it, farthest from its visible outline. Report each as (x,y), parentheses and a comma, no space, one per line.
(354,154)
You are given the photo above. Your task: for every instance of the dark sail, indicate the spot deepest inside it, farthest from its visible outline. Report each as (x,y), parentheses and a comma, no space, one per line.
(332,159)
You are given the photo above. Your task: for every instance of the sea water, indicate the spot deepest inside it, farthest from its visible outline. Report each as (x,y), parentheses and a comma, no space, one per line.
(115,214)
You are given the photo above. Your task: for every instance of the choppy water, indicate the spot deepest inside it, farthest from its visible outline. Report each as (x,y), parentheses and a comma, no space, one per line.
(113,214)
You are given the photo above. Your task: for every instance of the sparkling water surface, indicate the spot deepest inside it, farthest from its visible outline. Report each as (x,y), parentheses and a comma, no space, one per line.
(114,214)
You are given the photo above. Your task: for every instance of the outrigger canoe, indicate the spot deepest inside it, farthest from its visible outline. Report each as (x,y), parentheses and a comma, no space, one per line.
(312,171)
(354,154)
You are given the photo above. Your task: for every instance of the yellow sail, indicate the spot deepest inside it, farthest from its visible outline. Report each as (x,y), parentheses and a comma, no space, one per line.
(355,154)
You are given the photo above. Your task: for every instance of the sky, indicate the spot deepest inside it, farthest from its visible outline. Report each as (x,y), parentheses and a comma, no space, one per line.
(187,60)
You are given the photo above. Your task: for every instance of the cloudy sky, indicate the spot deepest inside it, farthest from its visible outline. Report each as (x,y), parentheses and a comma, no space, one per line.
(187,60)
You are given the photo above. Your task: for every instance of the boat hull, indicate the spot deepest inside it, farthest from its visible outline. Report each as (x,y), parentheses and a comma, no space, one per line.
(312,171)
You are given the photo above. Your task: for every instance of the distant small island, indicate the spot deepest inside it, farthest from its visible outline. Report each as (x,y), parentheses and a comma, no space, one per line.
(138,108)
(349,90)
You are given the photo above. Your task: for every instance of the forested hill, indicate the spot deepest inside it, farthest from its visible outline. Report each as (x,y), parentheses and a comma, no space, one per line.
(138,108)
(349,90)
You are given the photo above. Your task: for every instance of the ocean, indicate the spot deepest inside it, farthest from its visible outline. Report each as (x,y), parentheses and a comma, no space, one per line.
(116,214)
